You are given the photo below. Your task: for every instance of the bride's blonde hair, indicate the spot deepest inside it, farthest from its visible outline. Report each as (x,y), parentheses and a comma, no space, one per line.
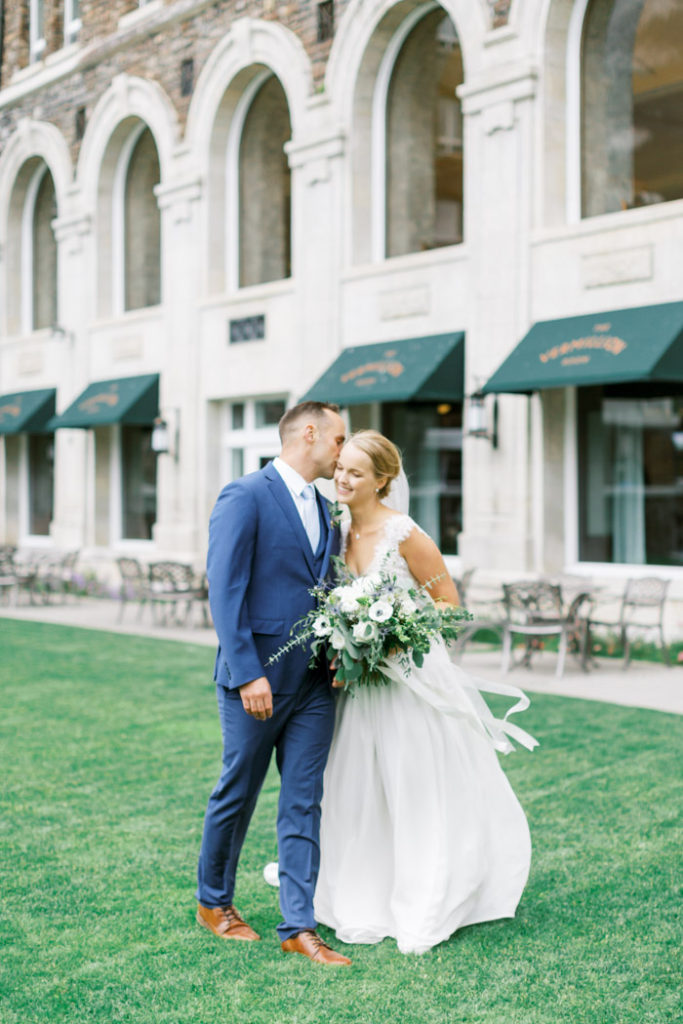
(383,453)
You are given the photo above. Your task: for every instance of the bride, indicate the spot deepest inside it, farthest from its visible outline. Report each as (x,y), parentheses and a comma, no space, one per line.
(421,832)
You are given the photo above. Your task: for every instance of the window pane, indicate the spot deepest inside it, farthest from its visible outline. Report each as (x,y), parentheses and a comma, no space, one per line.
(632,94)
(430,439)
(139,479)
(237,416)
(269,413)
(630,479)
(265,189)
(424,184)
(44,255)
(142,226)
(40,482)
(237,463)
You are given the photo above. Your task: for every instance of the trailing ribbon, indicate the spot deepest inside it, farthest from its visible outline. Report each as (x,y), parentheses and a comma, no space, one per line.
(450,690)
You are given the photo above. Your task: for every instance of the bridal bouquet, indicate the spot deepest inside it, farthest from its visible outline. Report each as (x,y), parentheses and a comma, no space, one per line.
(363,620)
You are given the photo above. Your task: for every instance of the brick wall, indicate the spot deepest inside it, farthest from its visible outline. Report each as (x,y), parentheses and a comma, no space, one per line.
(15,46)
(157,57)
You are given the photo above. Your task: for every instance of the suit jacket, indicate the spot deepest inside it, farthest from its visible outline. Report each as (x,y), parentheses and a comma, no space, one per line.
(260,569)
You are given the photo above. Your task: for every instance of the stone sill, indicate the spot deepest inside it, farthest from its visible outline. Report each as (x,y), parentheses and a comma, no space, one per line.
(41,73)
(250,295)
(133,18)
(411,261)
(147,314)
(619,220)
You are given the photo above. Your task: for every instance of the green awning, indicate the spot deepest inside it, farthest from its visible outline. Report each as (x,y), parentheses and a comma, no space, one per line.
(427,369)
(619,346)
(27,412)
(132,400)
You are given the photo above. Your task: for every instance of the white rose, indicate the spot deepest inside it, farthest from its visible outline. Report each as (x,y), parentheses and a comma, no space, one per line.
(322,626)
(337,640)
(349,602)
(371,582)
(381,610)
(364,632)
(408,606)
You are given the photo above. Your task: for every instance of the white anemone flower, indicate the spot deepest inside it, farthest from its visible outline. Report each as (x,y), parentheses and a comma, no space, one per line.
(322,626)
(381,610)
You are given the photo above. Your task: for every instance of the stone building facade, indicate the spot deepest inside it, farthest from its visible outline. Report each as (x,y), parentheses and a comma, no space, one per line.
(219,198)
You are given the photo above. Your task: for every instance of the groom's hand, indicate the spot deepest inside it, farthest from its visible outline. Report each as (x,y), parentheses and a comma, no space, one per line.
(257,698)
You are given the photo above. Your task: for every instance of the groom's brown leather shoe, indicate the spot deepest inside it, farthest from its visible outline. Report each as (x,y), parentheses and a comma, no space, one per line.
(310,944)
(226,923)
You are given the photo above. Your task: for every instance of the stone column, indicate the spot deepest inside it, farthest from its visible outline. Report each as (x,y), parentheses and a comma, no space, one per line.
(71,527)
(498,111)
(178,480)
(315,158)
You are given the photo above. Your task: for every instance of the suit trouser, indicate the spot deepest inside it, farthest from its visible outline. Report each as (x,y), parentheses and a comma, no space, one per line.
(300,732)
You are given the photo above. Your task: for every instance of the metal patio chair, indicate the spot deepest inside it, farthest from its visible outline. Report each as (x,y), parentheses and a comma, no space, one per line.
(641,610)
(9,582)
(488,613)
(135,584)
(535,610)
(175,585)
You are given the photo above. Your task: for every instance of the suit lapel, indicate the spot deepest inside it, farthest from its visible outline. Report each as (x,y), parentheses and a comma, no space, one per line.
(331,530)
(280,491)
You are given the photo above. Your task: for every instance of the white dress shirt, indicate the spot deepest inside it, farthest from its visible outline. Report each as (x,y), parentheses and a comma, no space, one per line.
(296,484)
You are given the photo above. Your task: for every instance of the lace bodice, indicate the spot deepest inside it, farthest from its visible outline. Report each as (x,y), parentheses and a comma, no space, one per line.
(387,556)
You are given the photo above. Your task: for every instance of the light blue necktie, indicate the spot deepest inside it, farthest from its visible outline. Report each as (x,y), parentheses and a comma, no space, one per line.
(310,516)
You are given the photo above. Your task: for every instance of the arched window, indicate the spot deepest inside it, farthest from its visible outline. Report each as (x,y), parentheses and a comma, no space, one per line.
(424,146)
(44,255)
(142,225)
(632,104)
(265,203)
(31,257)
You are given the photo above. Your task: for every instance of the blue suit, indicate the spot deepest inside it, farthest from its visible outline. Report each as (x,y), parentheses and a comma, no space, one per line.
(260,569)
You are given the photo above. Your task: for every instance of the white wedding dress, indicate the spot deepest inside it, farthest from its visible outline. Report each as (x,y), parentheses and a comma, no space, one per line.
(421,832)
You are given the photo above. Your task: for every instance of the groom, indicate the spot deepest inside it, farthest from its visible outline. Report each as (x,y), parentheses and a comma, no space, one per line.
(270,541)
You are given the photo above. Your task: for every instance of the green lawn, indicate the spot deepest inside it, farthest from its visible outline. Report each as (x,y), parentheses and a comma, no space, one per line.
(110,745)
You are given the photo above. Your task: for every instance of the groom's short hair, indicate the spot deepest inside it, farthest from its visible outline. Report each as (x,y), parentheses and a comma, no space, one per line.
(304,410)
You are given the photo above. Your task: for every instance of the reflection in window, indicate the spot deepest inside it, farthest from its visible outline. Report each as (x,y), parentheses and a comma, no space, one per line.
(265,189)
(430,439)
(40,483)
(44,250)
(269,412)
(424,191)
(72,20)
(139,482)
(632,94)
(142,226)
(630,478)
(36,29)
(252,437)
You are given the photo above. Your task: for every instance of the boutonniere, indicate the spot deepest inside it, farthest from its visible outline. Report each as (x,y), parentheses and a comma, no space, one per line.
(336,513)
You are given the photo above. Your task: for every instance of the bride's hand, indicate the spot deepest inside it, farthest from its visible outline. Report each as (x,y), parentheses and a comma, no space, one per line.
(336,683)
